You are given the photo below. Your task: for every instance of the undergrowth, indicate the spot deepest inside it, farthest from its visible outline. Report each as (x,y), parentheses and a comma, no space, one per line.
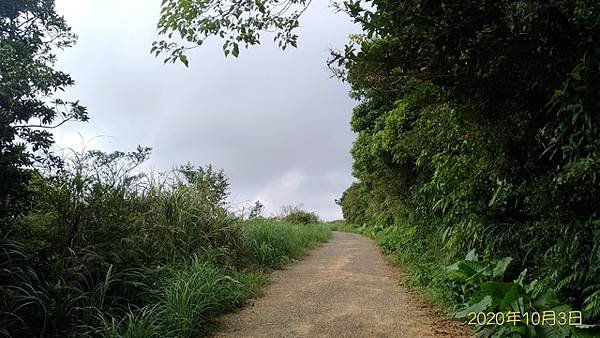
(343,226)
(108,250)
(474,285)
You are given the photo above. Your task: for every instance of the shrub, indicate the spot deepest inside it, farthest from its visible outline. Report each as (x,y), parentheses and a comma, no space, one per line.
(299,216)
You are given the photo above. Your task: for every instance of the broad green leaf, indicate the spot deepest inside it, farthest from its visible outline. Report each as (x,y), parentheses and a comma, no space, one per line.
(477,307)
(546,300)
(500,267)
(472,255)
(505,294)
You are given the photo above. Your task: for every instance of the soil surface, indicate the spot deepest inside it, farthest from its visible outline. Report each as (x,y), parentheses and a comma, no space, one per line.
(343,289)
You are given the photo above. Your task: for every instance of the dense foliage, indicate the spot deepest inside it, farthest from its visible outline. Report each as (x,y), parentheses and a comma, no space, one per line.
(30,31)
(483,286)
(108,250)
(478,129)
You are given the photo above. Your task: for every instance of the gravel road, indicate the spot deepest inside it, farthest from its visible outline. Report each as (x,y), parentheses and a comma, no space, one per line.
(343,289)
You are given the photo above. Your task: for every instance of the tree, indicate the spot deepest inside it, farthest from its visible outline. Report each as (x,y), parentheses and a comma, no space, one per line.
(257,210)
(30,32)
(213,184)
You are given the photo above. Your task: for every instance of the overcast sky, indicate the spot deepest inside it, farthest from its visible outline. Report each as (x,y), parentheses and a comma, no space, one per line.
(273,120)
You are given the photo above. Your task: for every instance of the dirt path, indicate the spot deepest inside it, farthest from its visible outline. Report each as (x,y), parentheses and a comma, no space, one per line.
(344,289)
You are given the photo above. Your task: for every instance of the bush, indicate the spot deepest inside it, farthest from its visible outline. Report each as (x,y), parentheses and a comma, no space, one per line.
(299,216)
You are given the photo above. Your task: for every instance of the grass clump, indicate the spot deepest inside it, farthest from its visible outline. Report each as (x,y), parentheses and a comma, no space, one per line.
(144,322)
(188,300)
(274,243)
(195,294)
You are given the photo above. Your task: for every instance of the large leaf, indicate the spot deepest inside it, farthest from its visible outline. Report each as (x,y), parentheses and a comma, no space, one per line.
(472,256)
(480,306)
(546,300)
(472,268)
(500,268)
(505,295)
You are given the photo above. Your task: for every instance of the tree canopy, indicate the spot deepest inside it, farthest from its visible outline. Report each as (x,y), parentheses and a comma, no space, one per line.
(30,33)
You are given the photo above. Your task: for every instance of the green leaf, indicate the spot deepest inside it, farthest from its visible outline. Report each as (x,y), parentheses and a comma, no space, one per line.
(184,60)
(505,294)
(546,300)
(500,268)
(480,306)
(472,256)
(472,268)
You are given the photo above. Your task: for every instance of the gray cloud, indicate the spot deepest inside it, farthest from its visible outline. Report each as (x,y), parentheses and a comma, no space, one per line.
(274,121)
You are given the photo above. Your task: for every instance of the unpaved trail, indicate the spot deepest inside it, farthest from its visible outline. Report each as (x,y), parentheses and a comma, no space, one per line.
(343,289)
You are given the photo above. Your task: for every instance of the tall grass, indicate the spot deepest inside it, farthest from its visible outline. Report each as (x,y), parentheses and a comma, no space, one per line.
(109,250)
(195,294)
(274,243)
(197,291)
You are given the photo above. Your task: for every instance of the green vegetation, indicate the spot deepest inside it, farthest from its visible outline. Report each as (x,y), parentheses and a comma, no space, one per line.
(477,131)
(482,284)
(299,216)
(343,226)
(109,250)
(92,246)
(477,128)
(275,243)
(185,25)
(30,32)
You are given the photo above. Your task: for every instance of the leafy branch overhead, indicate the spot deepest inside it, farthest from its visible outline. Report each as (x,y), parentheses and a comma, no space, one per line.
(186,24)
